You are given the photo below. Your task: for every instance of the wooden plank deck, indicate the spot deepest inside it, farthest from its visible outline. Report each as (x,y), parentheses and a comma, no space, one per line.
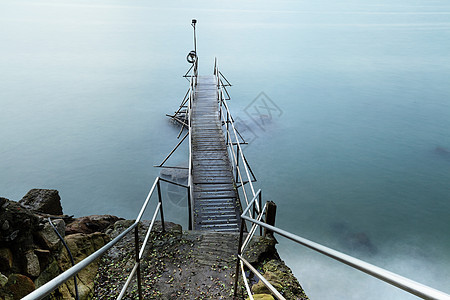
(216,204)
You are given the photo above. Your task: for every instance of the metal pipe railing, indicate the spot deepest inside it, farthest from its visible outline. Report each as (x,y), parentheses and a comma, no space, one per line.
(266,283)
(396,280)
(192,87)
(50,286)
(53,284)
(232,139)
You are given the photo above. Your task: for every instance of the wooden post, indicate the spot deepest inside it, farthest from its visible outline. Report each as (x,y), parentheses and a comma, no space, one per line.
(271,212)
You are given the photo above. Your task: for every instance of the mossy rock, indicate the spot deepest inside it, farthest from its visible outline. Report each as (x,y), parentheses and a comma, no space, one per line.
(274,279)
(282,278)
(20,285)
(262,297)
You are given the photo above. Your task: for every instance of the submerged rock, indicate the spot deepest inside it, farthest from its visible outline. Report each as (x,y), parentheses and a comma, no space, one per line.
(353,241)
(442,151)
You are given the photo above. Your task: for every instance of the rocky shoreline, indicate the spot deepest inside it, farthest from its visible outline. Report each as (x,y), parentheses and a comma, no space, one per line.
(178,264)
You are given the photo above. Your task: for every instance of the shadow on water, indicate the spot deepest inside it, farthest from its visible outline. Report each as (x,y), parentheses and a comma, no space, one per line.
(353,241)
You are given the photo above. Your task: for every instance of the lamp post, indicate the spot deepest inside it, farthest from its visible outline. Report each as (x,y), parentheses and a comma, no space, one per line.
(194,21)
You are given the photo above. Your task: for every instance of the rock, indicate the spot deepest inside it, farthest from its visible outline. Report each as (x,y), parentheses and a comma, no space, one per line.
(48,274)
(60,226)
(6,259)
(44,201)
(3,280)
(262,297)
(361,242)
(5,225)
(444,152)
(19,285)
(82,245)
(260,287)
(32,267)
(120,226)
(260,249)
(277,273)
(351,241)
(48,238)
(44,257)
(91,224)
(17,226)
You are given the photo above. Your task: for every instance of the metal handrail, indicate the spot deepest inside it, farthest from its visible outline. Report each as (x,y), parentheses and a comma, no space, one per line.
(401,282)
(233,139)
(396,280)
(192,88)
(53,284)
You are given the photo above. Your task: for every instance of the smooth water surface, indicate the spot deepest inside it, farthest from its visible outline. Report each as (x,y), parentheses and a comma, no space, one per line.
(356,155)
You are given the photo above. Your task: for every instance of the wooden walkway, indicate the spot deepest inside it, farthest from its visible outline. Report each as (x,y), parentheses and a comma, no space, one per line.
(216,204)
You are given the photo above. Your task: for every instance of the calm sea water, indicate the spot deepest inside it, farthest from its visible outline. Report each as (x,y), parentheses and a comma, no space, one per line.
(354,148)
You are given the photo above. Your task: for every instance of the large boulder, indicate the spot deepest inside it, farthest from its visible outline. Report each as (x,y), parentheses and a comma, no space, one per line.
(17,227)
(44,201)
(19,285)
(81,246)
(91,224)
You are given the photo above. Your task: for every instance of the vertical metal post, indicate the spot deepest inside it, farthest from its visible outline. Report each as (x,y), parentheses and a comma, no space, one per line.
(194,21)
(161,207)
(189,207)
(237,165)
(236,280)
(228,122)
(253,210)
(271,213)
(260,211)
(138,274)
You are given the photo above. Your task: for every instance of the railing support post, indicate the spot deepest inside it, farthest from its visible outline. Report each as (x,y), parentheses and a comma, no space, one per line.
(271,213)
(236,277)
(260,210)
(189,207)
(161,208)
(138,271)
(253,210)
(228,123)
(237,164)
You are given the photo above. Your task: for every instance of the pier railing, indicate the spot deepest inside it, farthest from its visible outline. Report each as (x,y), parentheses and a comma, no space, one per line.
(135,273)
(190,100)
(53,284)
(254,214)
(401,282)
(242,172)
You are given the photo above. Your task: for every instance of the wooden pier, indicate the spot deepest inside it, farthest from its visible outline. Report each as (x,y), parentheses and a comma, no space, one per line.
(215,204)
